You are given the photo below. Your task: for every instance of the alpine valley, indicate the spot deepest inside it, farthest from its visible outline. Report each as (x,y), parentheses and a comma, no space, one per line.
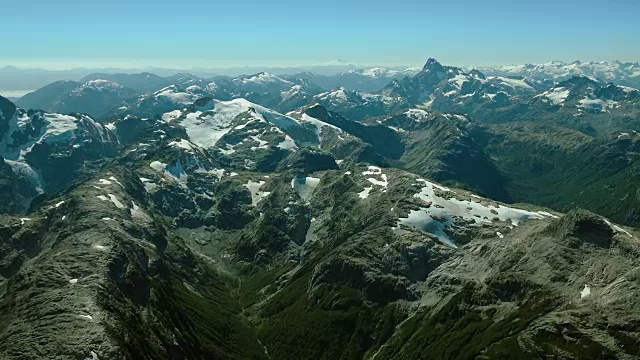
(430,213)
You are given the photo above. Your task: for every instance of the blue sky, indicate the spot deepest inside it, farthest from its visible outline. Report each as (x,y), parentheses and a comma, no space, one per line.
(190,33)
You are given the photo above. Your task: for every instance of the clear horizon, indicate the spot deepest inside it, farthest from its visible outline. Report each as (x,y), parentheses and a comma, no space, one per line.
(250,33)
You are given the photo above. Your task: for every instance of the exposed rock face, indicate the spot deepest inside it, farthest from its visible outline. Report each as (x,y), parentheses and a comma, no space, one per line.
(308,161)
(16,191)
(584,227)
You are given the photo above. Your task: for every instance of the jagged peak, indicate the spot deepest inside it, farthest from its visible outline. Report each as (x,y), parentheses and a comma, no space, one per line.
(431,61)
(432,65)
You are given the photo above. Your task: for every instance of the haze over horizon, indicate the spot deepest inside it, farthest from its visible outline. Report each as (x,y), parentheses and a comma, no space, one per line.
(129,34)
(151,68)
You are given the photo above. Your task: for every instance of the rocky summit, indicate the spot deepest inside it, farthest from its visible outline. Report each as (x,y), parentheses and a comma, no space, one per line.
(433,213)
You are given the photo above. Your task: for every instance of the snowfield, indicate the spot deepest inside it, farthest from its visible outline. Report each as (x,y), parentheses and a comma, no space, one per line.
(205,127)
(444,212)
(557,96)
(256,194)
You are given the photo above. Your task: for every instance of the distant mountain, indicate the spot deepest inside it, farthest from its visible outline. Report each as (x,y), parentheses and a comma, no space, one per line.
(186,79)
(48,96)
(617,72)
(260,82)
(13,78)
(16,78)
(366,80)
(357,105)
(142,83)
(502,98)
(262,88)
(586,95)
(169,98)
(94,97)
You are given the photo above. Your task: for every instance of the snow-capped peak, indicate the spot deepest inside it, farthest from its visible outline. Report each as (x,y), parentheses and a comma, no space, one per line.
(264,78)
(556,96)
(431,64)
(175,95)
(208,124)
(375,72)
(609,71)
(338,95)
(293,91)
(100,85)
(511,82)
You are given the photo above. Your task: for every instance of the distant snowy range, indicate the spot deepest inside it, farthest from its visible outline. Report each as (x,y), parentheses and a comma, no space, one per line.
(17,81)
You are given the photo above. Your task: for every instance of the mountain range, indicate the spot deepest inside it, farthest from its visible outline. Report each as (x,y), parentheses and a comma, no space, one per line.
(626,73)
(438,212)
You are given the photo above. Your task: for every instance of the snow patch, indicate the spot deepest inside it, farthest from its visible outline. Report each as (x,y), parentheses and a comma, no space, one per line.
(365,193)
(417,114)
(443,212)
(134,208)
(149,185)
(99,247)
(287,144)
(618,229)
(113,178)
(115,201)
(556,95)
(597,104)
(183,144)
(548,214)
(256,194)
(514,83)
(319,124)
(304,186)
(158,166)
(171,115)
